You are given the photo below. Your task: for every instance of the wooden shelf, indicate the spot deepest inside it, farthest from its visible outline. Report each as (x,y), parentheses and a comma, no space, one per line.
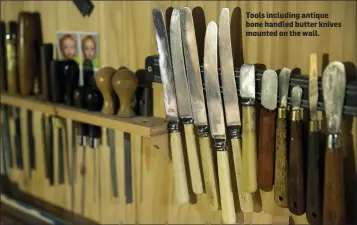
(144,126)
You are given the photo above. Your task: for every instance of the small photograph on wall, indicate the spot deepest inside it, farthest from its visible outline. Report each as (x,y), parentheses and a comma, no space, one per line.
(68,46)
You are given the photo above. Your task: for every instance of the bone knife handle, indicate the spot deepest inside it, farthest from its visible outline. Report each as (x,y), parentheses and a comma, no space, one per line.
(194,162)
(209,173)
(334,196)
(296,174)
(178,163)
(25,49)
(249,154)
(266,149)
(281,161)
(225,187)
(245,199)
(314,190)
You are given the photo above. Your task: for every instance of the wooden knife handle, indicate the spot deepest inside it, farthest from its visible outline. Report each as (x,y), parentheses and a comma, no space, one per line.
(245,199)
(225,187)
(103,79)
(314,176)
(266,149)
(193,160)
(249,154)
(46,56)
(334,196)
(210,177)
(281,161)
(25,49)
(296,180)
(178,163)
(11,57)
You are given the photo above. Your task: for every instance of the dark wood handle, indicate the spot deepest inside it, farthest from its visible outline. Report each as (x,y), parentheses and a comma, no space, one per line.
(296,176)
(314,180)
(266,150)
(281,165)
(46,56)
(334,195)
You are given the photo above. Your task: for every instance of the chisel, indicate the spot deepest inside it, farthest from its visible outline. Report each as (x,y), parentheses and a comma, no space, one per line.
(231,106)
(281,157)
(266,148)
(183,95)
(249,145)
(333,86)
(315,167)
(296,169)
(216,122)
(180,177)
(198,107)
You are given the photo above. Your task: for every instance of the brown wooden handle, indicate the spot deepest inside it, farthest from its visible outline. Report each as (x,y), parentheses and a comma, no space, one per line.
(103,79)
(281,165)
(26,59)
(314,178)
(11,57)
(125,83)
(334,196)
(266,149)
(296,175)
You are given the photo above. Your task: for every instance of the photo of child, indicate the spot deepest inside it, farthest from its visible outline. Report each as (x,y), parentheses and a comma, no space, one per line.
(89,51)
(67,46)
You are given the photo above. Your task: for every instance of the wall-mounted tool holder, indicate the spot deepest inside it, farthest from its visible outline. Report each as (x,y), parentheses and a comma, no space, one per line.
(350,105)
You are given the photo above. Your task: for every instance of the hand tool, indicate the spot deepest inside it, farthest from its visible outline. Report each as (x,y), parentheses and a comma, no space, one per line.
(124,83)
(198,107)
(249,153)
(182,196)
(231,105)
(216,121)
(107,166)
(333,86)
(3,77)
(281,158)
(269,98)
(296,173)
(37,43)
(144,93)
(183,97)
(315,163)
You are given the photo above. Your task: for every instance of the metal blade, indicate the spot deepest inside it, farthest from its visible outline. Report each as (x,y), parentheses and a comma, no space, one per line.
(247,84)
(313,89)
(113,166)
(333,86)
(178,63)
(165,66)
(193,68)
(213,94)
(128,177)
(269,90)
(284,79)
(230,95)
(296,94)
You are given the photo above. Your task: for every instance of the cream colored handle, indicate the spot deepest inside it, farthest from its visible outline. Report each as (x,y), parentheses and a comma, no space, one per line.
(178,162)
(193,160)
(249,153)
(245,199)
(225,187)
(209,172)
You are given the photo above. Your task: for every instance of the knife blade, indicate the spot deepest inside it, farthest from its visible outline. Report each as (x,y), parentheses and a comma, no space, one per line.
(183,94)
(249,153)
(281,159)
(296,173)
(166,72)
(231,105)
(216,122)
(315,163)
(269,98)
(333,86)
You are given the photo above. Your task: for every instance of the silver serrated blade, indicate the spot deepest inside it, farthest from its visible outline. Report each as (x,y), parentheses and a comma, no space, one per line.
(296,94)
(165,66)
(247,83)
(230,95)
(213,94)
(269,90)
(193,67)
(284,79)
(313,87)
(333,86)
(178,63)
